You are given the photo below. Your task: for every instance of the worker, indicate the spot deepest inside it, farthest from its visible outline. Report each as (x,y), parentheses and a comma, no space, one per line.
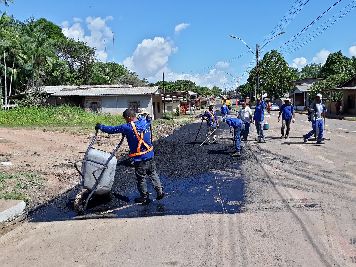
(224,110)
(212,123)
(288,116)
(138,133)
(317,114)
(245,114)
(258,118)
(238,125)
(228,103)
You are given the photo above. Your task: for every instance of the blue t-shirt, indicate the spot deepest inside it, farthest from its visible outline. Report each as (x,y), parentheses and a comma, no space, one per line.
(235,123)
(211,118)
(142,125)
(287,112)
(259,114)
(224,110)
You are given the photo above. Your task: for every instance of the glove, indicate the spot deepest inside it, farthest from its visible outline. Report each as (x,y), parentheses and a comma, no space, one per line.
(97,127)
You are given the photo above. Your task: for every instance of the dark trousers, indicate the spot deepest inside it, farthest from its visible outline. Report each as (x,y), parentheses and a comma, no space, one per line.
(237,139)
(245,132)
(285,124)
(259,129)
(144,169)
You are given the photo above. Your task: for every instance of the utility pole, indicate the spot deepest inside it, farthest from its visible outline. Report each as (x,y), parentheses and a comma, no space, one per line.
(164,96)
(257,88)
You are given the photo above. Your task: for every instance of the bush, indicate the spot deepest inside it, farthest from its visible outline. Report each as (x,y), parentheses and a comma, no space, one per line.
(55,116)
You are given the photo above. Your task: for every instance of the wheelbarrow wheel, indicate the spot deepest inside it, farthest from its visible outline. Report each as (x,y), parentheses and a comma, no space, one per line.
(79,201)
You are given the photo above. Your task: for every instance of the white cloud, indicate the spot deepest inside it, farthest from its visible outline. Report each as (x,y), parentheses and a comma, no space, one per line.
(150,56)
(181,27)
(213,77)
(222,65)
(299,62)
(352,51)
(99,37)
(321,56)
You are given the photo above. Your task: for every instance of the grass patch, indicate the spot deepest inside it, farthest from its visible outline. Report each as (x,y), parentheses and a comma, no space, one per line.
(62,116)
(19,185)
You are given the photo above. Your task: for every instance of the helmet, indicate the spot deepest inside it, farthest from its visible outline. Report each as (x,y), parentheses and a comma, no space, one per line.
(320,95)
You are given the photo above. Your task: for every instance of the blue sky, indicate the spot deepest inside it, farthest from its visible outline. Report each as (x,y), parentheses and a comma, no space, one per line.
(189,39)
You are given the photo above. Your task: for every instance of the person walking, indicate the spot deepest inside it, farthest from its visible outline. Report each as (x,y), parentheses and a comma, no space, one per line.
(238,125)
(138,134)
(258,118)
(212,123)
(288,116)
(224,110)
(317,115)
(245,114)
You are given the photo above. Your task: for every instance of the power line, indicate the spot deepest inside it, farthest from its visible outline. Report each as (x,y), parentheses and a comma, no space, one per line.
(293,11)
(323,27)
(309,25)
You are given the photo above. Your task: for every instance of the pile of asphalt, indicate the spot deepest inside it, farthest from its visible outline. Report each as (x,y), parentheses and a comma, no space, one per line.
(177,156)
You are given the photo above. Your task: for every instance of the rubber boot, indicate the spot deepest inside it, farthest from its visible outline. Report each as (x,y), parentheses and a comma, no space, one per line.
(143,199)
(160,193)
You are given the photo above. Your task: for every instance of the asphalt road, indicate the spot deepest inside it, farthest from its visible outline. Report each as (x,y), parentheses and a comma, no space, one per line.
(284,203)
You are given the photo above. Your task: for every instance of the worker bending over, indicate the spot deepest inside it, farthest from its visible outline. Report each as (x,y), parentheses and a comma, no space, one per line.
(212,123)
(238,126)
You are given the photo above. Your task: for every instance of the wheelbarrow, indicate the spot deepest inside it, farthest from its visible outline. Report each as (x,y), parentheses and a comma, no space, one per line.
(97,172)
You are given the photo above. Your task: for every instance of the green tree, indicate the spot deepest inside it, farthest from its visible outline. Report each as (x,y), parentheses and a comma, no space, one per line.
(276,77)
(336,64)
(310,71)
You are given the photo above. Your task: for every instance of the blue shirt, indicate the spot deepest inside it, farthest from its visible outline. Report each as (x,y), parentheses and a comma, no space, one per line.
(287,112)
(235,123)
(259,114)
(142,125)
(211,118)
(224,110)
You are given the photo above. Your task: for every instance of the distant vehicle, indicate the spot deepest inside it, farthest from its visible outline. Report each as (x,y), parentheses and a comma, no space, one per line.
(274,107)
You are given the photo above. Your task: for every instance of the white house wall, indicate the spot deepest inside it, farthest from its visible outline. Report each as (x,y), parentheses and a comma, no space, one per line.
(117,104)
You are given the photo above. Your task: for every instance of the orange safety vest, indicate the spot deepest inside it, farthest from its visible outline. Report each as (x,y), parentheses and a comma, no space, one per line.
(212,115)
(140,143)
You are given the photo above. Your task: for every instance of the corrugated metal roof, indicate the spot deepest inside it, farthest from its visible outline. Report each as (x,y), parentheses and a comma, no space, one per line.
(98,90)
(302,88)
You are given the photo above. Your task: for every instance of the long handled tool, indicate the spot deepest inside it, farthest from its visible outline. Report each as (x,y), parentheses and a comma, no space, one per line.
(196,137)
(208,137)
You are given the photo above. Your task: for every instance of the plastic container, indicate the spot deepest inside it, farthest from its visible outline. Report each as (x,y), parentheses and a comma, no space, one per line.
(265,126)
(96,160)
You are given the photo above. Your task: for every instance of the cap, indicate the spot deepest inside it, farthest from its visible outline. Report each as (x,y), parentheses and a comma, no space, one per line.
(142,111)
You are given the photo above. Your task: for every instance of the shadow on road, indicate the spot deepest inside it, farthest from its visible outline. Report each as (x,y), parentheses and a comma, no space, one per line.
(194,179)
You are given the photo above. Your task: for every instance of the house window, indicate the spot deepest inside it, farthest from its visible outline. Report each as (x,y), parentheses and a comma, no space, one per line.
(351,101)
(135,105)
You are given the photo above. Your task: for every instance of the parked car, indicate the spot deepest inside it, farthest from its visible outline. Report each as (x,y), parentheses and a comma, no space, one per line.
(274,107)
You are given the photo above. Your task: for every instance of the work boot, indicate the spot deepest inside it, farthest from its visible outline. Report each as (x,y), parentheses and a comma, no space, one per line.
(236,154)
(160,193)
(286,137)
(282,136)
(305,139)
(143,199)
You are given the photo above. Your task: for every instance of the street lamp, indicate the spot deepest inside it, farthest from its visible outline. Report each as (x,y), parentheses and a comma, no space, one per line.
(256,53)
